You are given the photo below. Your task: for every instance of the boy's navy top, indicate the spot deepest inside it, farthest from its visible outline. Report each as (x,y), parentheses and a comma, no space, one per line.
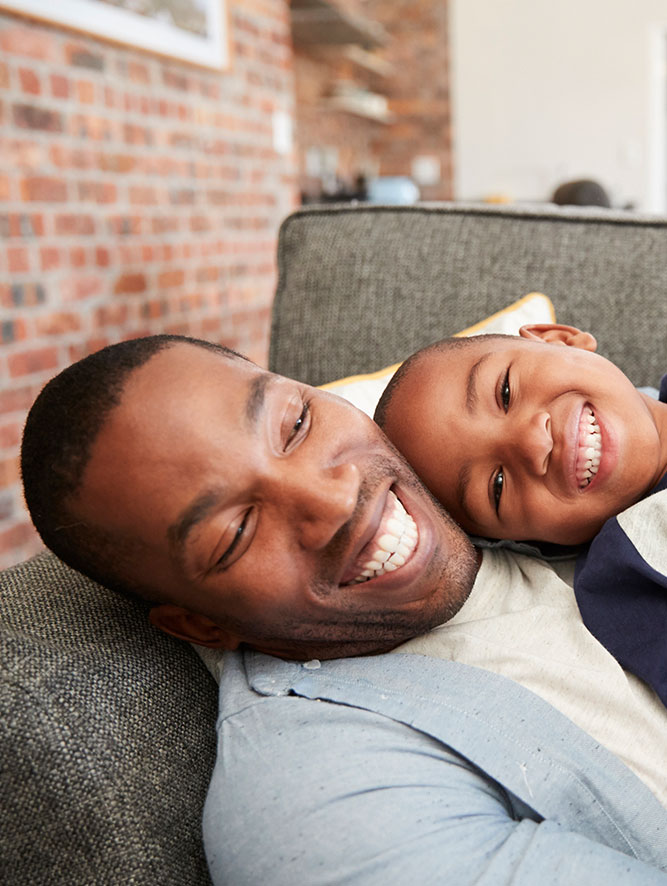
(621,585)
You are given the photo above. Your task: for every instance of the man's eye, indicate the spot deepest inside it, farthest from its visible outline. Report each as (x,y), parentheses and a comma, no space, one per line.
(505,391)
(238,535)
(498,483)
(299,425)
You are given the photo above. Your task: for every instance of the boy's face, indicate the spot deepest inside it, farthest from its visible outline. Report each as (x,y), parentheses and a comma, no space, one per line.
(534,437)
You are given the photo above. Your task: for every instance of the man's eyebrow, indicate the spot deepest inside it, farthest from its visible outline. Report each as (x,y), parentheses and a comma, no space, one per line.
(256,397)
(471,386)
(209,501)
(197,511)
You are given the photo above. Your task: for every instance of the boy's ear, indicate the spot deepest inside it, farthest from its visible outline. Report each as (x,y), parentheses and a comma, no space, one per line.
(191,626)
(556,334)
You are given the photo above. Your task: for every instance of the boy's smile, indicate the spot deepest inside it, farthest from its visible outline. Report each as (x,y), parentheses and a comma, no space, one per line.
(534,437)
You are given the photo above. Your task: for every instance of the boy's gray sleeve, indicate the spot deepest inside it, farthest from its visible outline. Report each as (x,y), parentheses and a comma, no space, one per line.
(319,793)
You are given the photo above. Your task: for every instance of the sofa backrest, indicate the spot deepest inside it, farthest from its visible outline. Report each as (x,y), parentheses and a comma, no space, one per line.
(362,287)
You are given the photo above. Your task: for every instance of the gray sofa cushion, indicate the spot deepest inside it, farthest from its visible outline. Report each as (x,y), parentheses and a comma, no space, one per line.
(362,287)
(108,737)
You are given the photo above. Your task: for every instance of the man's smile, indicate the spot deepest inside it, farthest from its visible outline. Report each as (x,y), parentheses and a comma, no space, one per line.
(392,545)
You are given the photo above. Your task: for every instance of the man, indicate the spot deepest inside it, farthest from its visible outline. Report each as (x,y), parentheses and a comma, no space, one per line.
(253,509)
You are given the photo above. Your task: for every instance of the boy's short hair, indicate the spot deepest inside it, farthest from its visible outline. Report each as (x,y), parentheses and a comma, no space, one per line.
(61,428)
(445,344)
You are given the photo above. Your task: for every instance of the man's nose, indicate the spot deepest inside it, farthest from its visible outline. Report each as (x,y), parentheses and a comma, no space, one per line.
(535,443)
(321,501)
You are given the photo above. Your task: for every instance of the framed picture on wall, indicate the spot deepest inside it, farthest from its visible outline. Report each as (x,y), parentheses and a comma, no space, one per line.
(192,30)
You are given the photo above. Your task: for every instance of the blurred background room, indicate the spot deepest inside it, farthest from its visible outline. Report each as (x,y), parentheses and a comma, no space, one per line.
(149,150)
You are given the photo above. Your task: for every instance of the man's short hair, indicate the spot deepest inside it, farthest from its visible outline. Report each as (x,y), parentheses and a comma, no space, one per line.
(58,437)
(445,344)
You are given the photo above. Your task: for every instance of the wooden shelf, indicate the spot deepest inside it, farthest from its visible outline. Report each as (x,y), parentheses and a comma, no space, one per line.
(320,22)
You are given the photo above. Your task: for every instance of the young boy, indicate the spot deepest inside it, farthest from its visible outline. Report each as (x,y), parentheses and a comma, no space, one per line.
(537,437)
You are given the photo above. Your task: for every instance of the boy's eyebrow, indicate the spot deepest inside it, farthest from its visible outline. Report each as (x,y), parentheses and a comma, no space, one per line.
(462,491)
(471,386)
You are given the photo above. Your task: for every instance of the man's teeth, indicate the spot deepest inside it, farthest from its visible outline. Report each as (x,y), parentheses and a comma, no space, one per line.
(393,546)
(590,448)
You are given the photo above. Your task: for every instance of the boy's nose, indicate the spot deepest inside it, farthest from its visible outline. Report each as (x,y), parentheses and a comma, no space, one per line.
(318,502)
(535,443)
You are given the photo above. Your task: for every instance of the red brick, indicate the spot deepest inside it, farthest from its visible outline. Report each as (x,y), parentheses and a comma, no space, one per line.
(154,308)
(99,192)
(4,76)
(102,257)
(110,97)
(59,86)
(85,91)
(208,274)
(141,195)
(33,361)
(23,225)
(17,536)
(124,225)
(58,323)
(71,158)
(33,117)
(90,126)
(81,287)
(49,258)
(137,135)
(138,73)
(12,330)
(78,225)
(78,257)
(116,162)
(29,40)
(170,278)
(29,81)
(44,189)
(10,434)
(82,57)
(111,315)
(17,259)
(88,346)
(130,283)
(16,399)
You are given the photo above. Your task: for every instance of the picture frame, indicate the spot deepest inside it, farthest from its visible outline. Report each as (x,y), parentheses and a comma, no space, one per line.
(195,31)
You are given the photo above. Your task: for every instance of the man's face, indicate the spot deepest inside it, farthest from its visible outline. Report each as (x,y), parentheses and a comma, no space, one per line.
(259,502)
(529,439)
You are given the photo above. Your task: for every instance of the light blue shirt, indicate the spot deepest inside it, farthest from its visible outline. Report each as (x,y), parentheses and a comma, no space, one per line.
(402,769)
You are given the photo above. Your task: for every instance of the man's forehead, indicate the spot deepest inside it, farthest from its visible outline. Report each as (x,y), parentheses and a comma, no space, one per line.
(178,364)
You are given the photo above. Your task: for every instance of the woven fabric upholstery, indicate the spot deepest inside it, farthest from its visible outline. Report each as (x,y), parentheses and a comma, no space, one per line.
(364,286)
(107,737)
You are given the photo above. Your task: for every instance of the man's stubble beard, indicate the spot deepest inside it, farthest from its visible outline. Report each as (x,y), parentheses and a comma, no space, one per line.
(354,630)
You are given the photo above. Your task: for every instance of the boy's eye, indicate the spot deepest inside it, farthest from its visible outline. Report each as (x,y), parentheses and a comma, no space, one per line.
(505,391)
(498,483)
(300,425)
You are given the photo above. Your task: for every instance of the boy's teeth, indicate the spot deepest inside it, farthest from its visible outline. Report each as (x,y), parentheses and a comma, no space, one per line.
(393,547)
(590,448)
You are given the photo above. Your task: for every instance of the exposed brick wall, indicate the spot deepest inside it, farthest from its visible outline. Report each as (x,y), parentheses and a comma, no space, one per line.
(138,195)
(417,89)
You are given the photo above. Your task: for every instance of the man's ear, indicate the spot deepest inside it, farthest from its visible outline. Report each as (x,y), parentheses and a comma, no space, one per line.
(192,627)
(556,334)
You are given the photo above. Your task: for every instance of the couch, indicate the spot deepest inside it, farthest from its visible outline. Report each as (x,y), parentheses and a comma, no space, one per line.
(107,725)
